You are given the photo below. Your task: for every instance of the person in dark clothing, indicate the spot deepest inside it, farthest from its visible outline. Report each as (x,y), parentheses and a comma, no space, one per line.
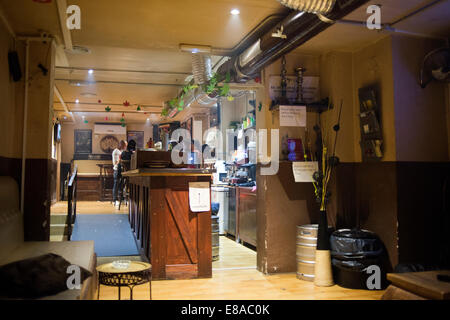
(131,147)
(117,168)
(125,157)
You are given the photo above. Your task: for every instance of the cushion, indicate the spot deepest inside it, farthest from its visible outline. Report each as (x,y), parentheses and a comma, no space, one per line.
(37,277)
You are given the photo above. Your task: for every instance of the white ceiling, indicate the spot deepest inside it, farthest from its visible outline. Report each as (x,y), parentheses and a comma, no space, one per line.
(137,35)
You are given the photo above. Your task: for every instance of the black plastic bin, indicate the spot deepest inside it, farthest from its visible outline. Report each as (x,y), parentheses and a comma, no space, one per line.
(353,251)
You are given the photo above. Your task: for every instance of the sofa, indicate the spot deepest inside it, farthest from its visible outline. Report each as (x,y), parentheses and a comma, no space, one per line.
(14,248)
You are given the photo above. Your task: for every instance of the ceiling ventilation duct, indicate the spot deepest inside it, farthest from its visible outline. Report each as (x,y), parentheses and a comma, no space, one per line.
(297,28)
(202,71)
(318,7)
(311,6)
(294,30)
(201,68)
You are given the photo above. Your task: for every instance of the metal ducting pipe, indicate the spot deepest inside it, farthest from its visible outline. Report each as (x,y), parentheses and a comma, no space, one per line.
(312,6)
(294,30)
(202,71)
(201,68)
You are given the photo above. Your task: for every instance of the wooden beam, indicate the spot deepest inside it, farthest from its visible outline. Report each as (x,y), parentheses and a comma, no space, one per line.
(62,7)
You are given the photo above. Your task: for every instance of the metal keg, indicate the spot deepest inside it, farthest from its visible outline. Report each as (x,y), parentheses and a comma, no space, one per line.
(215,237)
(306,251)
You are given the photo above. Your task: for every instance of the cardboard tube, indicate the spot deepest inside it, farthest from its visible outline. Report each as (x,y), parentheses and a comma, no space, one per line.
(323,272)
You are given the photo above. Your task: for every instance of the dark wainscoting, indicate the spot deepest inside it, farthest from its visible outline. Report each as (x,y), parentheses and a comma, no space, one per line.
(37,199)
(406,203)
(403,202)
(37,193)
(11,167)
(424,213)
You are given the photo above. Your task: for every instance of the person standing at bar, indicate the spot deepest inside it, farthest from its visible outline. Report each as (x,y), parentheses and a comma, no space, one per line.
(117,170)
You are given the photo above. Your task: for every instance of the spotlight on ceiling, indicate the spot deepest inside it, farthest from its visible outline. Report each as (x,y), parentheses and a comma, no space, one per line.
(235,12)
(91,71)
(194,48)
(77,101)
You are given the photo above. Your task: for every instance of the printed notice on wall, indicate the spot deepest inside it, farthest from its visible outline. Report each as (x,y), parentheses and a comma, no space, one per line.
(199,196)
(304,170)
(292,116)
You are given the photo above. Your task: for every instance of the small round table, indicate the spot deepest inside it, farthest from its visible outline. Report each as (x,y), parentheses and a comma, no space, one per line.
(136,274)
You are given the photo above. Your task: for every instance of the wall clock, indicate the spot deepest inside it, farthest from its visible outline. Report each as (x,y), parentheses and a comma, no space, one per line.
(108,144)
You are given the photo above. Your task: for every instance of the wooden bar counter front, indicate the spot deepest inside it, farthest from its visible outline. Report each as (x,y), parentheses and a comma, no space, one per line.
(176,240)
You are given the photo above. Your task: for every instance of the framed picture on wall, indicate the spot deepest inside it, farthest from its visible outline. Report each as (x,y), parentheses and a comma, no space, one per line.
(137,136)
(83,141)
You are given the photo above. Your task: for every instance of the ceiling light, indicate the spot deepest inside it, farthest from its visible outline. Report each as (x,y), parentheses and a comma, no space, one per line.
(91,71)
(194,48)
(77,101)
(235,12)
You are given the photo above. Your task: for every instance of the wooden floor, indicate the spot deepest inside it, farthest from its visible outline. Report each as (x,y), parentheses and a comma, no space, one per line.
(233,255)
(234,276)
(89,207)
(247,284)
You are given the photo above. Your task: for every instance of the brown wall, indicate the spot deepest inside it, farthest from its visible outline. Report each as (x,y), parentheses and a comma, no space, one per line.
(11,109)
(420,122)
(372,65)
(398,197)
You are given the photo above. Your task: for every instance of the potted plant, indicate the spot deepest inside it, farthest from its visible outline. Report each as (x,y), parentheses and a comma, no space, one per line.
(327,161)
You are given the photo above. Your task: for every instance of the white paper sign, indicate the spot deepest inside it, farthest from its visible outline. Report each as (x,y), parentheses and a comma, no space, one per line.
(199,196)
(292,116)
(304,170)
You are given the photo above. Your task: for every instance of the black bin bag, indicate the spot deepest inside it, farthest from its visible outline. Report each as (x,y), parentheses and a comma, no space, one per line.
(358,255)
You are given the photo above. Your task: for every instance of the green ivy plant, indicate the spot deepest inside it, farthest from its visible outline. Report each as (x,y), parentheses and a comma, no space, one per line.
(209,88)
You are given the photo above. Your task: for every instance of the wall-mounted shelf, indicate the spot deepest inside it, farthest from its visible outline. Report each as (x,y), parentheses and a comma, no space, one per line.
(319,106)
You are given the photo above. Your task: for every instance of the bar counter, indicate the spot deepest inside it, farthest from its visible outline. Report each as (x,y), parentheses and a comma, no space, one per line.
(176,240)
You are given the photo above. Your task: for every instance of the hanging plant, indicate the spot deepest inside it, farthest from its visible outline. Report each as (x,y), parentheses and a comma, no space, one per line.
(107,109)
(138,108)
(212,87)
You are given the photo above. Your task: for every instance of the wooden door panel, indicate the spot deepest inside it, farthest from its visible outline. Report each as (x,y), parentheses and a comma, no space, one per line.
(184,227)
(177,253)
